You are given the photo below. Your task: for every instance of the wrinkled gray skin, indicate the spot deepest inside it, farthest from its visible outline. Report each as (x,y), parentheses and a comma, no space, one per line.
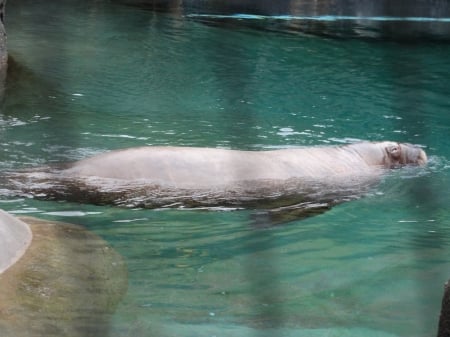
(155,177)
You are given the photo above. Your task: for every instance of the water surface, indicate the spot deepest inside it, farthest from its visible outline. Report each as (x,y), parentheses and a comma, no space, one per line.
(86,77)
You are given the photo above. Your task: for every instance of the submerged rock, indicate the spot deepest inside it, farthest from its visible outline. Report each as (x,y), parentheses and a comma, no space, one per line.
(3,50)
(3,53)
(15,238)
(68,283)
(444,322)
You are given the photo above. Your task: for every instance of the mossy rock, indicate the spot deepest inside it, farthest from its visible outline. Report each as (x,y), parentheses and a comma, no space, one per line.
(68,283)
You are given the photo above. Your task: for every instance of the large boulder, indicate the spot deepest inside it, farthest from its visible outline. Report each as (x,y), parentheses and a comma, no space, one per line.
(15,238)
(68,281)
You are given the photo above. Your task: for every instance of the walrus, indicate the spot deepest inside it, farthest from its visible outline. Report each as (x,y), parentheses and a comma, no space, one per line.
(189,177)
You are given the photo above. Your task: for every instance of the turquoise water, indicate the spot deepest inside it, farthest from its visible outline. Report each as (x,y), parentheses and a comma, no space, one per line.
(86,77)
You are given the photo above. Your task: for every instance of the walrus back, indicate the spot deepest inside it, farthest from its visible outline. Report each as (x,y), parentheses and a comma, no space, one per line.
(185,167)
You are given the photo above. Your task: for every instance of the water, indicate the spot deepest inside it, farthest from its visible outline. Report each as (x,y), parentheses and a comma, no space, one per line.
(86,77)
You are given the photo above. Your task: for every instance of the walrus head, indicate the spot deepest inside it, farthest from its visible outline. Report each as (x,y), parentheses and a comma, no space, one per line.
(399,154)
(389,154)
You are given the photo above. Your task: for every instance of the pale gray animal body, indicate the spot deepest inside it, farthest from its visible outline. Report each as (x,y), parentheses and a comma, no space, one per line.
(156,177)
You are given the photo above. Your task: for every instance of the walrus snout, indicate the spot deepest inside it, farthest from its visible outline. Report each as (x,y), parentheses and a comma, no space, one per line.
(411,154)
(400,154)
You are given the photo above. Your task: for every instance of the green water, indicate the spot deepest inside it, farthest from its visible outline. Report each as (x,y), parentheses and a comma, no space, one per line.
(88,76)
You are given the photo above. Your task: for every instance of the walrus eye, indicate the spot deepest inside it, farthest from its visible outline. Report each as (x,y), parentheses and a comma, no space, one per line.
(394,151)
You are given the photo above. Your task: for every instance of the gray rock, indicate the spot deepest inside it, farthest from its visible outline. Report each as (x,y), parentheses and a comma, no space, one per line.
(3,53)
(444,321)
(15,238)
(3,50)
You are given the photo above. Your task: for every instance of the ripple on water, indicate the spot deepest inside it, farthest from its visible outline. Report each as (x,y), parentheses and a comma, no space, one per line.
(71,213)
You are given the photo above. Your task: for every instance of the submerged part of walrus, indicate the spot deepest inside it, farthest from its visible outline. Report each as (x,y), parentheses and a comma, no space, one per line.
(286,179)
(66,283)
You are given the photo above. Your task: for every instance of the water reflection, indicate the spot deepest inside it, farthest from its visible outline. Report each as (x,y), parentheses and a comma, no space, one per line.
(26,90)
(344,18)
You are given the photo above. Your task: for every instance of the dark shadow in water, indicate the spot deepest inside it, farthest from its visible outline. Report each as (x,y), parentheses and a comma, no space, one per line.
(262,271)
(24,90)
(338,18)
(229,61)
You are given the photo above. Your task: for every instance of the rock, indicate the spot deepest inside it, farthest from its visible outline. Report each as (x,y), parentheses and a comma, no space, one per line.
(15,238)
(3,53)
(3,50)
(444,321)
(68,283)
